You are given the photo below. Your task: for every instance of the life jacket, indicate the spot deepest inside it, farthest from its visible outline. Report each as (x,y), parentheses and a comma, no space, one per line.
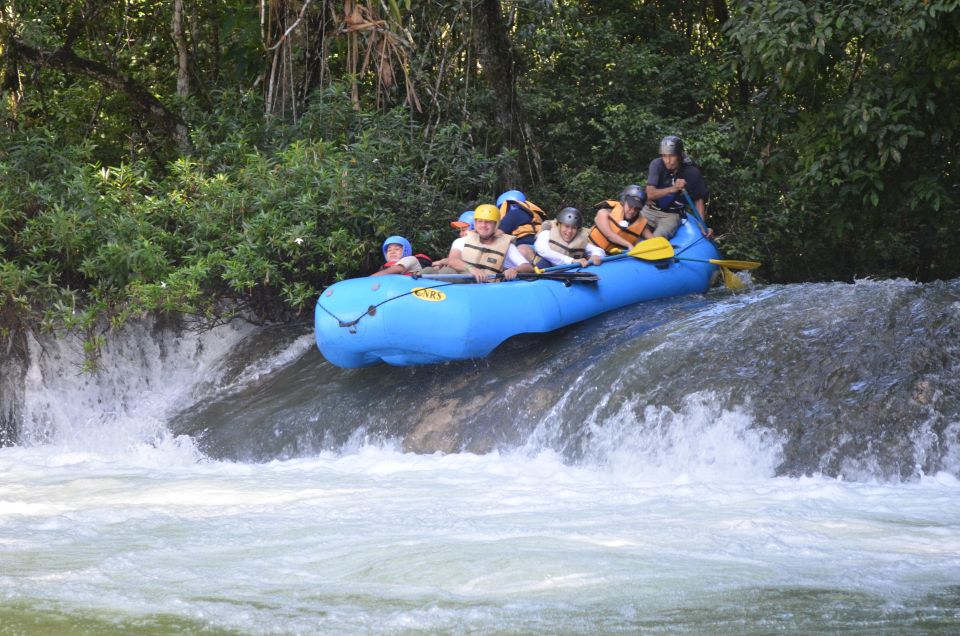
(532,226)
(628,230)
(674,202)
(489,256)
(425,261)
(576,248)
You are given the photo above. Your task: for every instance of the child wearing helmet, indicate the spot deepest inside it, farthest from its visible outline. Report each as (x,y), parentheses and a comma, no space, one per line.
(399,258)
(564,241)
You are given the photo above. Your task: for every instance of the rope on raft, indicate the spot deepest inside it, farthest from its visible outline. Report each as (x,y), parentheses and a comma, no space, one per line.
(372,309)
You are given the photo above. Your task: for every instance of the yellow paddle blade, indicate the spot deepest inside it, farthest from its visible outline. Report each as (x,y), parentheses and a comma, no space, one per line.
(655,249)
(735,264)
(731,280)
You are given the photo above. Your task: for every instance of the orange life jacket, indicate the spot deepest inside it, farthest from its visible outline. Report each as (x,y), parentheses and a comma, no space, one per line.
(628,230)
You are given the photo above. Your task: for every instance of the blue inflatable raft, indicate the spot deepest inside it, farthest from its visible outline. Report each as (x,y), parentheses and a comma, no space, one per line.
(402,320)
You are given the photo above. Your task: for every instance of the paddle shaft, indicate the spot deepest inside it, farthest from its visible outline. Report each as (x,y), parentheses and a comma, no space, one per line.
(695,212)
(720,262)
(652,249)
(572,277)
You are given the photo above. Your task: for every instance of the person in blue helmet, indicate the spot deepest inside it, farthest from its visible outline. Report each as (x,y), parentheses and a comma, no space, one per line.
(521,219)
(463,224)
(400,258)
(670,174)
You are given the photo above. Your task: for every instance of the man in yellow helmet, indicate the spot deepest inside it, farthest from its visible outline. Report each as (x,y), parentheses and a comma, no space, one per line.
(485,250)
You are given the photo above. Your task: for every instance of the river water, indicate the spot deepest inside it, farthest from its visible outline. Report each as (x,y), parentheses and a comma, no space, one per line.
(785,459)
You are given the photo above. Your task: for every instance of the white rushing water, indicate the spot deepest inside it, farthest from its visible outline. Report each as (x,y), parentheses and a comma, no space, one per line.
(672,522)
(378,541)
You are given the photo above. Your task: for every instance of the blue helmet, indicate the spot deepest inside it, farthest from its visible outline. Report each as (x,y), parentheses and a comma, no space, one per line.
(465,220)
(399,240)
(511,195)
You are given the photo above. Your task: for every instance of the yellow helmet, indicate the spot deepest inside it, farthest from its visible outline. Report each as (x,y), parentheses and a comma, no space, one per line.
(486,212)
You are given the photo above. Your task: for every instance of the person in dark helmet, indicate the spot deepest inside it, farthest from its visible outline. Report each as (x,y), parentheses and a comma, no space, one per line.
(670,174)
(618,224)
(565,241)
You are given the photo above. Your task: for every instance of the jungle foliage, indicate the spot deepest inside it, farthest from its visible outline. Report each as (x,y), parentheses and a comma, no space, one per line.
(191,155)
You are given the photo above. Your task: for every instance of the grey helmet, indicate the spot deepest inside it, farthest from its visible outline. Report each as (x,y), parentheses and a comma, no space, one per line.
(570,216)
(634,195)
(671,145)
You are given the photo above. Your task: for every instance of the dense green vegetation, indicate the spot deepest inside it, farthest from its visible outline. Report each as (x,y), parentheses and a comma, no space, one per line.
(194,155)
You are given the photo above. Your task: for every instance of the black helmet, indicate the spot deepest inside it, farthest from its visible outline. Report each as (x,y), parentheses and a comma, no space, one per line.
(634,195)
(671,145)
(570,216)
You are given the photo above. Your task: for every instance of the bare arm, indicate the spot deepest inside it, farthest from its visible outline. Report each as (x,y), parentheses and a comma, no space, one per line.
(658,193)
(455,260)
(524,268)
(520,264)
(393,269)
(602,221)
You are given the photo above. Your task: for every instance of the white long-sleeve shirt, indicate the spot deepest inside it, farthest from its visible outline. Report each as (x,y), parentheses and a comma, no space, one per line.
(543,248)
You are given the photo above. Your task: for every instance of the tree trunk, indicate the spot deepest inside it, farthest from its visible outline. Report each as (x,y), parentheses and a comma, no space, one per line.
(742,95)
(148,106)
(497,58)
(183,55)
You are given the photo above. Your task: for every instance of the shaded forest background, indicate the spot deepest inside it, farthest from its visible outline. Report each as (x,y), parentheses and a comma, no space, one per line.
(189,155)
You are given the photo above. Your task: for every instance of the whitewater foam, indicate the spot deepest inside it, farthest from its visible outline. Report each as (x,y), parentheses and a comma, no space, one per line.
(143,377)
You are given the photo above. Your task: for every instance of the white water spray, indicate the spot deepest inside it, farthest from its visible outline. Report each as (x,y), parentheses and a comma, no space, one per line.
(144,375)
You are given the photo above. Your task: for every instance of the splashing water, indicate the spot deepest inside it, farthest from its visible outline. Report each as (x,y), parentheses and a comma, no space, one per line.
(697,465)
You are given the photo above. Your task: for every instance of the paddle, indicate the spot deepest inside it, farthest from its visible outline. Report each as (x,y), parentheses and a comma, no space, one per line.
(564,277)
(721,263)
(730,280)
(573,277)
(660,250)
(654,249)
(695,212)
